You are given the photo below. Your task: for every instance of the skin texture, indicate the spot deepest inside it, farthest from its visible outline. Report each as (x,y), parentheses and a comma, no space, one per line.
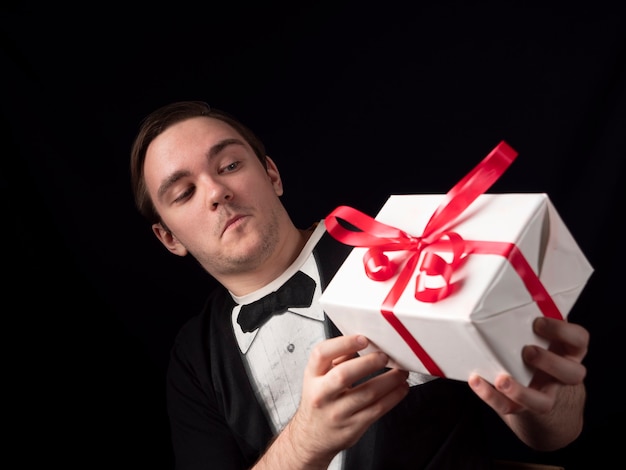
(221,205)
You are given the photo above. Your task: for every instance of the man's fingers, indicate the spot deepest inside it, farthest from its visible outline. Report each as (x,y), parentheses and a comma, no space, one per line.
(327,353)
(564,369)
(347,373)
(506,395)
(380,393)
(572,339)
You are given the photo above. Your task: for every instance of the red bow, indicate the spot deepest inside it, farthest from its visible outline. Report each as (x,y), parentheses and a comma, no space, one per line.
(421,251)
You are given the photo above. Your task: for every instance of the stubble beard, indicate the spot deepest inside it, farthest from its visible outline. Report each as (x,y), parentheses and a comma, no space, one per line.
(254,255)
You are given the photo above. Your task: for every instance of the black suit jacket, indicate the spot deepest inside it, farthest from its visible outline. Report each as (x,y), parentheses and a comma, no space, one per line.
(217,422)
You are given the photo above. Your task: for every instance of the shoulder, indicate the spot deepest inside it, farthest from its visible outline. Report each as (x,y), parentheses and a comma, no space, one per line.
(194,337)
(329,255)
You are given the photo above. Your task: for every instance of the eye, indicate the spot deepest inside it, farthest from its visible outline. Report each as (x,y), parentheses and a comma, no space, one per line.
(230,167)
(186,194)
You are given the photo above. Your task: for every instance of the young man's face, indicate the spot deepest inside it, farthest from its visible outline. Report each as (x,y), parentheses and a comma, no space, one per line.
(217,199)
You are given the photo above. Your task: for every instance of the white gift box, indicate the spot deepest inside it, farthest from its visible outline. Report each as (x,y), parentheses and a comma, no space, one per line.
(484,323)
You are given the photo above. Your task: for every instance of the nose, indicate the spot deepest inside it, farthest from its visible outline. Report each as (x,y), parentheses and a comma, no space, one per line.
(218,193)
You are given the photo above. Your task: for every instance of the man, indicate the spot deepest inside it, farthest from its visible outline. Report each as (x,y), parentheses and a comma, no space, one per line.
(290,391)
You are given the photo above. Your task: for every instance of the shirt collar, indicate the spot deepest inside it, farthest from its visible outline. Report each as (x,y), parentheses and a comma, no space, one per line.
(305,262)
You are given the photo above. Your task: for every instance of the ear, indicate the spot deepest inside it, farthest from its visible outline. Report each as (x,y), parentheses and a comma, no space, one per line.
(169,240)
(272,171)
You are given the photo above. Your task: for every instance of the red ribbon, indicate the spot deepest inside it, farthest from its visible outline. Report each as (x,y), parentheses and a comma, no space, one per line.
(420,252)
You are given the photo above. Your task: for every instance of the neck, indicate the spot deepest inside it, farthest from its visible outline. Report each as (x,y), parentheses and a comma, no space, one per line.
(244,283)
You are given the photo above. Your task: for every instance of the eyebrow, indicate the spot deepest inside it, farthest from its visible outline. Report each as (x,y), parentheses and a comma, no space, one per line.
(212,153)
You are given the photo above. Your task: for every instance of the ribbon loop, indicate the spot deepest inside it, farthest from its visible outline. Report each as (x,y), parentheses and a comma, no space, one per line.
(472,185)
(378,237)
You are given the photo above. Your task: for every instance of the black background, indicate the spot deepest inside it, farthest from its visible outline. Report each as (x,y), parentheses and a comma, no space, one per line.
(353,103)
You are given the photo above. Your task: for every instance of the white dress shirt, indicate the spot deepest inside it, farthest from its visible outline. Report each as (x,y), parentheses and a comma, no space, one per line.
(278,351)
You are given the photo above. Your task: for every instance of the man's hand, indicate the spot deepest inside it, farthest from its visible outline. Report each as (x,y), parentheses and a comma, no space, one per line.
(333,412)
(548,414)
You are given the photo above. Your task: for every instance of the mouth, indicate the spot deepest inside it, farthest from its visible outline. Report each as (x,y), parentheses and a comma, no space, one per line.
(232,223)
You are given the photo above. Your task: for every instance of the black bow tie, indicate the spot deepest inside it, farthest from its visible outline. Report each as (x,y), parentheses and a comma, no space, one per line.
(297,291)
